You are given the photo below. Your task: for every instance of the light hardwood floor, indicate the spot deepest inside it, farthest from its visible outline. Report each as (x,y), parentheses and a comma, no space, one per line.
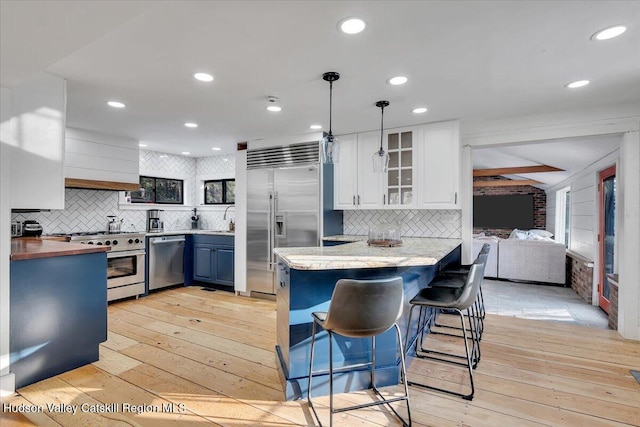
(213,353)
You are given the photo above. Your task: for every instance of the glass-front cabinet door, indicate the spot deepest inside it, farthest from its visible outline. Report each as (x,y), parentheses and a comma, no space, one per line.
(400,177)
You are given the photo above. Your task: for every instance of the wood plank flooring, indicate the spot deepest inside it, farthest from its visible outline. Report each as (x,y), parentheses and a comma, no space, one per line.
(210,354)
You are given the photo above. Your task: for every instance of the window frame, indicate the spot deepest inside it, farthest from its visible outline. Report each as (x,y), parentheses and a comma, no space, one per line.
(563,216)
(224,182)
(154,198)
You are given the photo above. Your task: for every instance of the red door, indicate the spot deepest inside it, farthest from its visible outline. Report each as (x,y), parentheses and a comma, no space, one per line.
(606,232)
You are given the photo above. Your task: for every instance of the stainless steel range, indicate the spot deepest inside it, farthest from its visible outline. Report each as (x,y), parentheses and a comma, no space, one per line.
(125,261)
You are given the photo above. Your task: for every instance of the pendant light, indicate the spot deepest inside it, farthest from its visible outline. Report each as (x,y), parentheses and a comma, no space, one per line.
(329,143)
(380,158)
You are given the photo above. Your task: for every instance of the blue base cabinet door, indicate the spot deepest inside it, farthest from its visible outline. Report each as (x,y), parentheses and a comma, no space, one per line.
(213,259)
(203,262)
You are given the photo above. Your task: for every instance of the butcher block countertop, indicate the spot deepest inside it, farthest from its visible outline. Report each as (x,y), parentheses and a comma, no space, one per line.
(33,248)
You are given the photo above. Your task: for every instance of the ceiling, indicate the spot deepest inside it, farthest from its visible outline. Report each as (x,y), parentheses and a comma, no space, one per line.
(476,60)
(569,154)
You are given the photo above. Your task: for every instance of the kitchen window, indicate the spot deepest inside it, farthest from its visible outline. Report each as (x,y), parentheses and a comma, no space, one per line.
(159,190)
(220,192)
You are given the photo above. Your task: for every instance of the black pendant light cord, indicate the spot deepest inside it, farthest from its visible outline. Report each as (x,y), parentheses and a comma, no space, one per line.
(381,104)
(330,76)
(381,125)
(330,107)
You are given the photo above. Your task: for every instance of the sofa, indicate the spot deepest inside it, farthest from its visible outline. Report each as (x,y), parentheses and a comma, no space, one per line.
(526,260)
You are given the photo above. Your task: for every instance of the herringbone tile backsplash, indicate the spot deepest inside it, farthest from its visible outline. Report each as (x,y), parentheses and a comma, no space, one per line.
(413,223)
(87,210)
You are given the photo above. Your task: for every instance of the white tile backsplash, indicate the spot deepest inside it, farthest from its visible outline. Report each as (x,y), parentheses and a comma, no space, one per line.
(413,223)
(87,210)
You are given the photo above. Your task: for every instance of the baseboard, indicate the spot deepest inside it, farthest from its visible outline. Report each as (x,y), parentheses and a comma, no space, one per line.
(7,385)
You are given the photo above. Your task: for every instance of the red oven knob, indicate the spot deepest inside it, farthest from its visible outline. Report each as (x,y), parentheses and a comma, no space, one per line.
(130,241)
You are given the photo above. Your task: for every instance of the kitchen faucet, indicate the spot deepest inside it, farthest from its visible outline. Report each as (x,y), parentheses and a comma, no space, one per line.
(224,217)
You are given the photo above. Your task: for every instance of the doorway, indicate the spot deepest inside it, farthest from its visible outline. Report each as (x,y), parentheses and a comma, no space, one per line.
(606,233)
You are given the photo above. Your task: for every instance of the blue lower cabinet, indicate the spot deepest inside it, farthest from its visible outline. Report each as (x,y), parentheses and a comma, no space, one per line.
(213,259)
(58,314)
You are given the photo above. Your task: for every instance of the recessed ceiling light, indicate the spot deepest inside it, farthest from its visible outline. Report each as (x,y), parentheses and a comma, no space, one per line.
(140,144)
(216,148)
(115,104)
(186,153)
(203,77)
(315,127)
(577,84)
(352,25)
(274,108)
(397,80)
(609,32)
(191,125)
(419,110)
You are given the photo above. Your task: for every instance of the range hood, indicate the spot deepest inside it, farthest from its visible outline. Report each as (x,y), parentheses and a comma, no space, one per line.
(100,185)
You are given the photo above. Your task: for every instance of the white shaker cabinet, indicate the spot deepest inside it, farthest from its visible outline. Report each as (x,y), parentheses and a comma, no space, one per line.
(356,186)
(438,158)
(36,137)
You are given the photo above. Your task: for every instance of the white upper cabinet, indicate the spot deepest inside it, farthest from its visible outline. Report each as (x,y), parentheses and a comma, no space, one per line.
(99,160)
(401,177)
(356,186)
(370,183)
(424,169)
(36,136)
(439,166)
(345,173)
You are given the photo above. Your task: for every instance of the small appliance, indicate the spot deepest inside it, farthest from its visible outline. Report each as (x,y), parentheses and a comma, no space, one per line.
(195,220)
(31,228)
(16,229)
(154,221)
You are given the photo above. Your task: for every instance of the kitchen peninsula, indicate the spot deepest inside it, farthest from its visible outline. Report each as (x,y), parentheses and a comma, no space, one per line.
(58,307)
(305,281)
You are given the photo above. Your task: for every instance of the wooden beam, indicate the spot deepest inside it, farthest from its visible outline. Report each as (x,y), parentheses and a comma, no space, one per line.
(515,170)
(506,183)
(100,185)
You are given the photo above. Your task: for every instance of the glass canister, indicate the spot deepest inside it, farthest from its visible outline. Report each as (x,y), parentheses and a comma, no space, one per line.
(384,234)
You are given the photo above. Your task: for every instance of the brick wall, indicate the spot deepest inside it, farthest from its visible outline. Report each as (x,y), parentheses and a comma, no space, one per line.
(580,277)
(539,203)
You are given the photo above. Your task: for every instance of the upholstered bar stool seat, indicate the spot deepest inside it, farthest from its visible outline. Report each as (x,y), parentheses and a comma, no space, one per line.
(361,309)
(457,299)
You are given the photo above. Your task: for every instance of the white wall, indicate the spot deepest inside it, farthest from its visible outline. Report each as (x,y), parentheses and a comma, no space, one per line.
(629,236)
(583,237)
(7,381)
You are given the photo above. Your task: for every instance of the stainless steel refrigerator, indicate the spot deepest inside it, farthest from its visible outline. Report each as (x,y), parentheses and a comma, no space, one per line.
(289,204)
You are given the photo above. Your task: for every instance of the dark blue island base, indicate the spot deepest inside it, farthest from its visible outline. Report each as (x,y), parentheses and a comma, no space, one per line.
(301,292)
(58,314)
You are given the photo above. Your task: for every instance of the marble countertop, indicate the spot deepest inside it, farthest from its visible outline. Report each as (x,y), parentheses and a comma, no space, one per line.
(345,238)
(414,251)
(191,231)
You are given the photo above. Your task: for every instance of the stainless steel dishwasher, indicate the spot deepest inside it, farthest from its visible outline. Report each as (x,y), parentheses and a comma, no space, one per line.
(166,261)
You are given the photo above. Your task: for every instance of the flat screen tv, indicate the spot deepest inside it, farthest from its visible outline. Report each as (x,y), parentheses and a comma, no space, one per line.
(503,211)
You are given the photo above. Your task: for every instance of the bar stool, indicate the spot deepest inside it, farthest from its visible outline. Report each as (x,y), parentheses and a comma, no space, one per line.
(361,309)
(458,300)
(463,270)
